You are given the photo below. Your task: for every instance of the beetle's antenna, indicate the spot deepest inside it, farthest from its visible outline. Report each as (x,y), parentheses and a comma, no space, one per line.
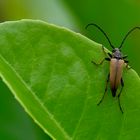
(128,34)
(93,24)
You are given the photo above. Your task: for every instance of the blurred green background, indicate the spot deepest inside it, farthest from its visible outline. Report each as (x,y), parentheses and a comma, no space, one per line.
(115,17)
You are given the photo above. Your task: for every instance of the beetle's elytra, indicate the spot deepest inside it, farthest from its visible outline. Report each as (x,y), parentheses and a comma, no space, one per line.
(117,62)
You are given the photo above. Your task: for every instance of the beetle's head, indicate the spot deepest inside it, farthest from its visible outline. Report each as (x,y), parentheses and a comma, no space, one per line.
(116,50)
(116,53)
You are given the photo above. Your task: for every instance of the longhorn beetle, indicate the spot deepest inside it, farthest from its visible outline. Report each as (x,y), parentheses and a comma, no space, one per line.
(117,61)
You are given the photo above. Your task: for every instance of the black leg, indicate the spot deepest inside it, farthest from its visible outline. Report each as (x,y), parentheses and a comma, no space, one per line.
(105,90)
(110,55)
(125,56)
(127,66)
(126,61)
(108,59)
(122,85)
(98,63)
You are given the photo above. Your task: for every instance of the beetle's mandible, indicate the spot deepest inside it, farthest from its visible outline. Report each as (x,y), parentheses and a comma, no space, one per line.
(117,62)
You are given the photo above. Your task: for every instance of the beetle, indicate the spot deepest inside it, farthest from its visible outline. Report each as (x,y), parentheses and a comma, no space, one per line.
(117,62)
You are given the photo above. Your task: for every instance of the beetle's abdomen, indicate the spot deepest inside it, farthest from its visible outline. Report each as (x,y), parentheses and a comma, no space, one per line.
(116,69)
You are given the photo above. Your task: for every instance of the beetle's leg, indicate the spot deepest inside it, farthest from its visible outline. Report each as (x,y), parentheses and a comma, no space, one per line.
(97,63)
(108,59)
(126,61)
(125,56)
(122,85)
(105,89)
(109,54)
(127,66)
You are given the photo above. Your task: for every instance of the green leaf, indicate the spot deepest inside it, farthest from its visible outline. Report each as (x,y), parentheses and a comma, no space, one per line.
(49,71)
(12,126)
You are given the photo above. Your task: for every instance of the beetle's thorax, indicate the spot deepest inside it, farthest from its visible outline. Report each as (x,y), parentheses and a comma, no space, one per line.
(116,53)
